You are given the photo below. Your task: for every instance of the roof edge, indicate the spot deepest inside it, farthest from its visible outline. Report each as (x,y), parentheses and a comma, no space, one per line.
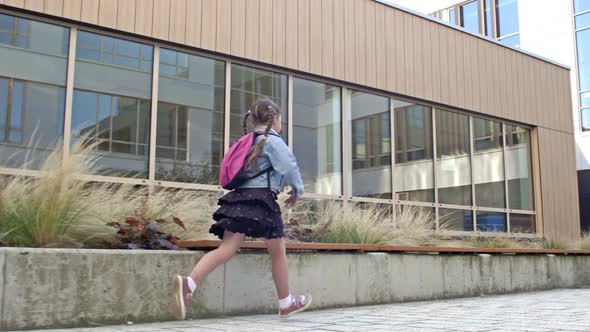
(461,29)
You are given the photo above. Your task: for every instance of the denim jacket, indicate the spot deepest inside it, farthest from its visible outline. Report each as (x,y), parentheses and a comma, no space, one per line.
(284,166)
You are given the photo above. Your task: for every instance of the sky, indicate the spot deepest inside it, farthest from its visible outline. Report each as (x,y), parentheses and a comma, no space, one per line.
(424,6)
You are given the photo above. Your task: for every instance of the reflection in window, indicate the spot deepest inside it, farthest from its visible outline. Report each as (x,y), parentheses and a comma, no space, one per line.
(316,135)
(118,124)
(414,170)
(488,18)
(453,166)
(32,97)
(452,16)
(112,102)
(189,143)
(470,17)
(583,47)
(113,51)
(488,163)
(247,86)
(507,22)
(518,168)
(455,220)
(586,119)
(370,146)
(31,117)
(581,6)
(491,221)
(522,223)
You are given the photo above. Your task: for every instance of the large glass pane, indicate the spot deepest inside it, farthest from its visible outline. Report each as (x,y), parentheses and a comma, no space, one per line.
(317,135)
(189,143)
(512,41)
(583,44)
(522,223)
(35,36)
(32,93)
(491,221)
(585,99)
(581,6)
(488,163)
(247,86)
(583,21)
(488,18)
(518,168)
(414,165)
(452,16)
(453,168)
(470,17)
(586,119)
(455,220)
(113,51)
(507,17)
(369,145)
(112,102)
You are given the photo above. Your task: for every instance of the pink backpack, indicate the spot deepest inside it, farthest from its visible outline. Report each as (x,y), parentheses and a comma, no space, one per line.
(234,165)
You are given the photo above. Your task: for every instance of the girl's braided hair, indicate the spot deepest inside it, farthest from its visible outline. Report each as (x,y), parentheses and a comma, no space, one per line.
(263,112)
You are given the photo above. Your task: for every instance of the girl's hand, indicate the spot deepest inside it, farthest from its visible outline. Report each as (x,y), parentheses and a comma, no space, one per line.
(292,200)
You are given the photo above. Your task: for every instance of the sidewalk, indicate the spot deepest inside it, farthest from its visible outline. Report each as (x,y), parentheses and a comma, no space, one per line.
(559,310)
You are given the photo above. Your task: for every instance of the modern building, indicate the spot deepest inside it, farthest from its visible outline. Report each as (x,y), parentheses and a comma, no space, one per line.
(558,30)
(381,105)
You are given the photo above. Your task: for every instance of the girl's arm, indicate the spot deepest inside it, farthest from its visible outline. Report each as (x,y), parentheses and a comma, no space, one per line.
(284,162)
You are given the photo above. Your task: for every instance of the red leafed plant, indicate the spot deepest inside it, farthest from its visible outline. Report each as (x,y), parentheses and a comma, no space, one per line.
(136,233)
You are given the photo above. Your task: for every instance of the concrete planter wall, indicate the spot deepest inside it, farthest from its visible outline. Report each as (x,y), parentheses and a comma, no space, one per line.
(63,288)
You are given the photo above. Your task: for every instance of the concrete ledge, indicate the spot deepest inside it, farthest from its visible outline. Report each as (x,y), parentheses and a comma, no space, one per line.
(42,288)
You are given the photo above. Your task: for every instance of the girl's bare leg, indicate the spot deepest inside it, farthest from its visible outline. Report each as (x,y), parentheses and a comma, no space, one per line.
(227,249)
(278,253)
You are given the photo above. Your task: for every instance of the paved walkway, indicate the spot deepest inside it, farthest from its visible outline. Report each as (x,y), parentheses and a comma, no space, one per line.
(559,310)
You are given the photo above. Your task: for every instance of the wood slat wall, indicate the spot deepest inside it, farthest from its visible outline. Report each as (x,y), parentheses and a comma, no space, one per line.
(561,217)
(367,43)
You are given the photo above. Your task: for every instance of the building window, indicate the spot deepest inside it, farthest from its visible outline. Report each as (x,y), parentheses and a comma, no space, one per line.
(488,12)
(453,16)
(317,135)
(190,121)
(488,164)
(414,165)
(247,86)
(112,102)
(370,145)
(114,51)
(518,168)
(453,166)
(32,98)
(470,16)
(582,19)
(507,24)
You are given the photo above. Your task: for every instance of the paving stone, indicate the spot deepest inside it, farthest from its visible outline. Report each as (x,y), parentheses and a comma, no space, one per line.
(558,310)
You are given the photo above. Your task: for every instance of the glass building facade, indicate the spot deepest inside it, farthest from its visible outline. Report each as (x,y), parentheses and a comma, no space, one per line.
(164,116)
(497,19)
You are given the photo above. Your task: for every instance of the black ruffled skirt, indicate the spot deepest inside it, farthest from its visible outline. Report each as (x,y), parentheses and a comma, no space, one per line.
(250,211)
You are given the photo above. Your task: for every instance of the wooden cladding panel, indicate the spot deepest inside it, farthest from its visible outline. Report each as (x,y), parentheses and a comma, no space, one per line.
(265,22)
(561,218)
(279,15)
(143,18)
(177,30)
(327,41)
(339,42)
(125,16)
(34,5)
(223,26)
(194,11)
(380,42)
